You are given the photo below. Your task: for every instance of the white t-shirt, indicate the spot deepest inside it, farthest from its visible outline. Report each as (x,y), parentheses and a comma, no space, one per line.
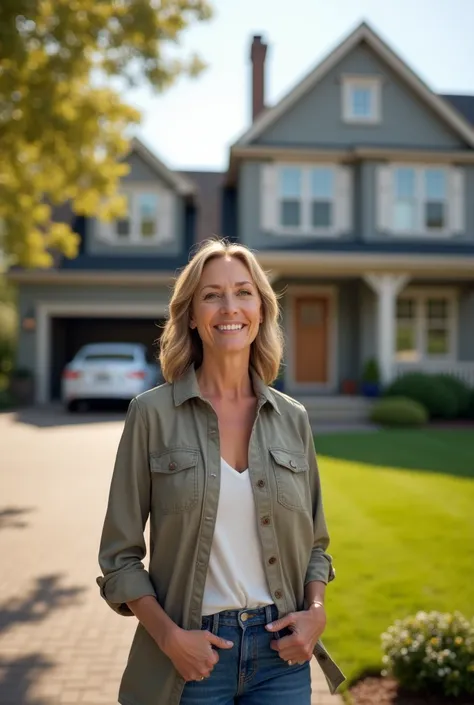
(236,577)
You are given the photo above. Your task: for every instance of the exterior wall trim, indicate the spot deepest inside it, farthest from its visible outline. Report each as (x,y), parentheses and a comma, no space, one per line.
(46,310)
(179,182)
(350,263)
(333,348)
(362,33)
(105,278)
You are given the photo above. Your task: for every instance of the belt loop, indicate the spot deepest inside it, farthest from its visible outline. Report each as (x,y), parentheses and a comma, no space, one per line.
(215,623)
(268,614)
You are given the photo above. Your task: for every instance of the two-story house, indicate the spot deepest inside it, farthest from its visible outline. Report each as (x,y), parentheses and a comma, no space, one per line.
(357,192)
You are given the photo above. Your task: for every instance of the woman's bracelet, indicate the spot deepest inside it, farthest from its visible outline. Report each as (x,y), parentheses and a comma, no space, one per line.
(316,603)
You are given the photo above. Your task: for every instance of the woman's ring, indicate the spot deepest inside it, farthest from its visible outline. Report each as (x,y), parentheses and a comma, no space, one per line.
(290,663)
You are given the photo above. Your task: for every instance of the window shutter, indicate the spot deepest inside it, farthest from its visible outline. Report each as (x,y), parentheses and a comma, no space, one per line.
(268,196)
(166,215)
(344,200)
(457,201)
(384,198)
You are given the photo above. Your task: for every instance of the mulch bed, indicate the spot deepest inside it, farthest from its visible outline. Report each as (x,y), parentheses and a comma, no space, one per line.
(386,691)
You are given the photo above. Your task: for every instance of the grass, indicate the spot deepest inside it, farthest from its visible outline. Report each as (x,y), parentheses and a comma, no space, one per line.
(400,510)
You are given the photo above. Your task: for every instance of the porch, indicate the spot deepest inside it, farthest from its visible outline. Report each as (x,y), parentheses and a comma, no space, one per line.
(405,323)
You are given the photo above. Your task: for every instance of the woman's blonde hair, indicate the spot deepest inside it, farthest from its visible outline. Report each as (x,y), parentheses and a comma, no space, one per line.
(181,347)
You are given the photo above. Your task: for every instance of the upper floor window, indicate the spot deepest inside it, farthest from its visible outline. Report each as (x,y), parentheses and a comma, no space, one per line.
(306,199)
(361,99)
(420,200)
(142,218)
(148,217)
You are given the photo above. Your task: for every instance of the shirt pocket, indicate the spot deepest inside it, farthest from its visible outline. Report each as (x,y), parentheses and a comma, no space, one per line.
(291,473)
(175,480)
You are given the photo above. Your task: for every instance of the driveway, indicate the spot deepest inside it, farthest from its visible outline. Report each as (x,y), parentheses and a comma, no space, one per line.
(59,642)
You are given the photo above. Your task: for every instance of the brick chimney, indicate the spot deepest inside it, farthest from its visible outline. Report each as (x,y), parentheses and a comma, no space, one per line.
(258,53)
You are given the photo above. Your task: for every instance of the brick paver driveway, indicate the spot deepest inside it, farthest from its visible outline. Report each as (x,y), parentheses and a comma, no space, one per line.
(59,643)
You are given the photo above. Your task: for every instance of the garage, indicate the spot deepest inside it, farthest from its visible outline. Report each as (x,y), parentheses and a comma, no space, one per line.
(69,334)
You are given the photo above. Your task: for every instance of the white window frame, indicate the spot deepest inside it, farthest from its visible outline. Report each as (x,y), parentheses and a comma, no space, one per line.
(305,227)
(420,298)
(353,82)
(421,199)
(165,217)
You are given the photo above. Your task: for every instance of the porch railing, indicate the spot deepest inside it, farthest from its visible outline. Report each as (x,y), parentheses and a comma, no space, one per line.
(463,371)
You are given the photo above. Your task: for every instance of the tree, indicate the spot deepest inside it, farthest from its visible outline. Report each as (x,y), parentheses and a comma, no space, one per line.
(63,123)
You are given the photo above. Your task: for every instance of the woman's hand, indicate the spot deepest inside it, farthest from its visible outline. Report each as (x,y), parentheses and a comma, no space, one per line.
(192,654)
(307,627)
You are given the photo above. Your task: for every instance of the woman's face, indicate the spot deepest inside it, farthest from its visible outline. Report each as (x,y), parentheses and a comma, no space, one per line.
(226,307)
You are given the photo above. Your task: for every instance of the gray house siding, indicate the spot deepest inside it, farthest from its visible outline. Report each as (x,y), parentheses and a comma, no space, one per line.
(364,235)
(316,119)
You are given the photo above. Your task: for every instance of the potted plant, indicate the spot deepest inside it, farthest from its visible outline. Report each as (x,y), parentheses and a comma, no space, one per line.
(371,379)
(21,385)
(349,387)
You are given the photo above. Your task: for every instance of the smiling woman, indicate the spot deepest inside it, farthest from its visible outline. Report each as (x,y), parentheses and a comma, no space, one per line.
(224,468)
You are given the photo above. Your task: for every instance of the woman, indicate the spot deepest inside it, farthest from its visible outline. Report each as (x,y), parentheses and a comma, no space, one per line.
(232,606)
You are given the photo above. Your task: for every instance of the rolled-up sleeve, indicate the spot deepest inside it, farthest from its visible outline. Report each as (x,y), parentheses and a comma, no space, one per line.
(320,565)
(122,545)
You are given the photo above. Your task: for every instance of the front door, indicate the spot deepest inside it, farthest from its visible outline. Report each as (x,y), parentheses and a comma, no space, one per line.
(311,338)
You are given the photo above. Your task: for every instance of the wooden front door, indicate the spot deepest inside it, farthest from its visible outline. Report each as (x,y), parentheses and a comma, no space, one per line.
(311,338)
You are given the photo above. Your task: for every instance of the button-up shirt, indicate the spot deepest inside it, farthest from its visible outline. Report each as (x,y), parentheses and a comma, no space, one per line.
(167,470)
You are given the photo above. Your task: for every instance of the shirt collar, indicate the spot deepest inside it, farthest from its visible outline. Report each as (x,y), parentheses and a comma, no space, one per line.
(187,387)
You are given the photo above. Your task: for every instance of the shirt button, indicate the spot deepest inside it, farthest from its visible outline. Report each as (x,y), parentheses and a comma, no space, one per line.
(278,594)
(292,463)
(261,483)
(265,521)
(272,560)
(171,467)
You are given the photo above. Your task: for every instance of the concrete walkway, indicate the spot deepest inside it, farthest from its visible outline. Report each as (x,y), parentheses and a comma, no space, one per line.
(59,643)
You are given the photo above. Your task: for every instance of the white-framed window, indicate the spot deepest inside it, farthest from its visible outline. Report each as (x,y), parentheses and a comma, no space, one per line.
(426,326)
(361,99)
(306,199)
(419,199)
(148,217)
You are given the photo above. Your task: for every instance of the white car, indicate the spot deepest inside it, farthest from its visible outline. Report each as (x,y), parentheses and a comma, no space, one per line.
(108,371)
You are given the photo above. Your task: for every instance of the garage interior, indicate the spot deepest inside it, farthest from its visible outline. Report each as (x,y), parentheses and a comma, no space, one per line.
(68,335)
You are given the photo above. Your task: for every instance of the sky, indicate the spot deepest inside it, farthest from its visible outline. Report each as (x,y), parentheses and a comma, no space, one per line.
(193,124)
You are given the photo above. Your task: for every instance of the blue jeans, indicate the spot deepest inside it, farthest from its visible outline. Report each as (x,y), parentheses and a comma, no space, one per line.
(251,673)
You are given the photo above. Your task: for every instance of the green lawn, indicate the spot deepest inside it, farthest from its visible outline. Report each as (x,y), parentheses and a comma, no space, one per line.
(400,510)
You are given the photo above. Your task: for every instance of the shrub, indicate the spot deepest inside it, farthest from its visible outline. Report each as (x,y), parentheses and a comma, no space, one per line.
(429,390)
(371,372)
(398,411)
(470,408)
(460,390)
(431,652)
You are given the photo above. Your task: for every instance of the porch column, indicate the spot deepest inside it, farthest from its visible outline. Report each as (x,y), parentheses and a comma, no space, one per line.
(387,288)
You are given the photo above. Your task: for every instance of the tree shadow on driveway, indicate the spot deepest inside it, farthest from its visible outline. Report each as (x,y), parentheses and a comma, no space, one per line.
(46,595)
(11,517)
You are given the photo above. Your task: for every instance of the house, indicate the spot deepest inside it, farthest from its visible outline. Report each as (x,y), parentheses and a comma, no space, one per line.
(357,192)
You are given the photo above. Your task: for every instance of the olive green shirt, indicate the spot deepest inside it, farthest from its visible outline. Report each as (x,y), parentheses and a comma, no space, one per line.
(167,469)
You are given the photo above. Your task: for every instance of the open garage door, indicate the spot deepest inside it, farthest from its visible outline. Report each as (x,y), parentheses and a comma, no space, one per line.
(68,335)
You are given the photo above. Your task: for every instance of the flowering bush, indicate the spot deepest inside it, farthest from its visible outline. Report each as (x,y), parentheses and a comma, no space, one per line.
(431,652)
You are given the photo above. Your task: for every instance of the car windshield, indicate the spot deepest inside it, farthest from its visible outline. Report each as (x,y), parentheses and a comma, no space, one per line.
(108,357)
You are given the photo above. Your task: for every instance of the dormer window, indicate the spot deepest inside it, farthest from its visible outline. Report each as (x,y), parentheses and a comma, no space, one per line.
(361,99)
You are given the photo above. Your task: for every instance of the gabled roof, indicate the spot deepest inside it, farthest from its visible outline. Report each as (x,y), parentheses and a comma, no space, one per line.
(180,183)
(363,33)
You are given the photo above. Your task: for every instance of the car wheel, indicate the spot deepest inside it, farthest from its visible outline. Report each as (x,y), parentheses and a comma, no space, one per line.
(71,406)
